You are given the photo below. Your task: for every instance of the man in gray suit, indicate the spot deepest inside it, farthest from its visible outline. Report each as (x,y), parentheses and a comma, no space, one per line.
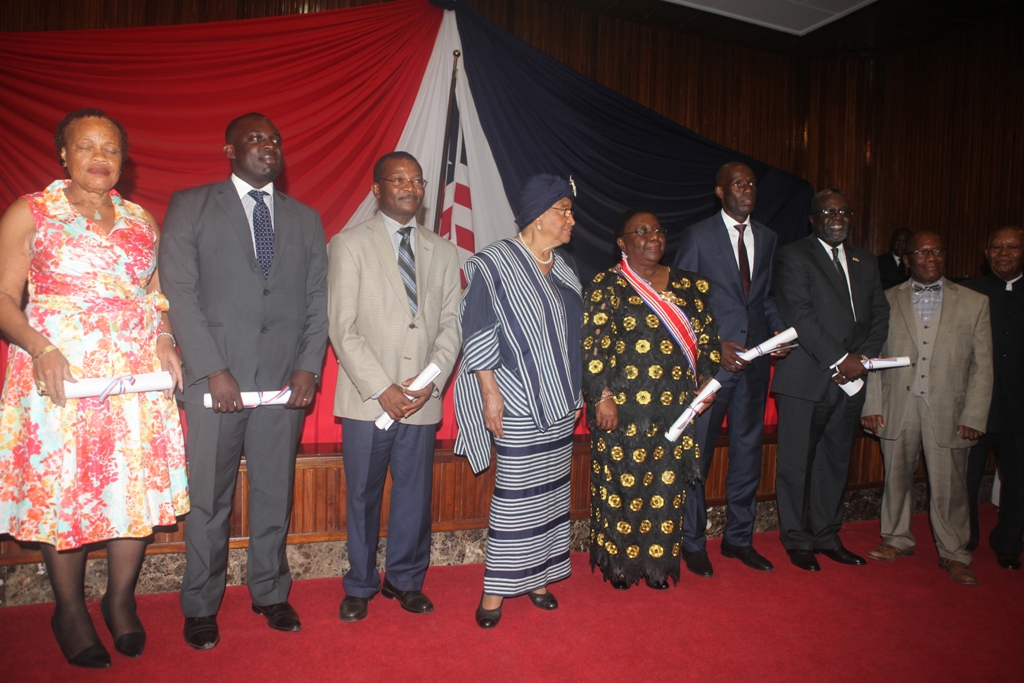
(831,293)
(393,300)
(940,402)
(244,269)
(736,253)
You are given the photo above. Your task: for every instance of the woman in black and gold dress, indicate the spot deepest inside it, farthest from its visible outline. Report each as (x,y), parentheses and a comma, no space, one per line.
(643,363)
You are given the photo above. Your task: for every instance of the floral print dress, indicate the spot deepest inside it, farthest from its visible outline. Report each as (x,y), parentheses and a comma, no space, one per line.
(93,470)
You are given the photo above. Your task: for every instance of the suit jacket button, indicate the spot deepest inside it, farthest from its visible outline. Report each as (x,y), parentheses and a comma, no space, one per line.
(412,326)
(266,292)
(265,330)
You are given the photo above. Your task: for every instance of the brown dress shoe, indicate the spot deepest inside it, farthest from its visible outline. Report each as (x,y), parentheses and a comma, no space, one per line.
(959,572)
(888,553)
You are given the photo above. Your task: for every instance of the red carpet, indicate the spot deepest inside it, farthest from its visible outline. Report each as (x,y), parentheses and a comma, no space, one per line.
(901,621)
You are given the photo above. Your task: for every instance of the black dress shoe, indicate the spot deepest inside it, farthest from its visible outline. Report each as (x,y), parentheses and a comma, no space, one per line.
(1007,561)
(128,644)
(699,563)
(543,600)
(93,657)
(656,585)
(201,633)
(353,608)
(748,556)
(411,601)
(842,556)
(804,559)
(487,618)
(280,616)
(620,584)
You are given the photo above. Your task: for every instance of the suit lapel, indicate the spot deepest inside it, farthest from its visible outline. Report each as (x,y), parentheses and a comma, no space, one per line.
(825,263)
(905,303)
(947,311)
(385,250)
(424,256)
(283,220)
(724,235)
(857,281)
(228,199)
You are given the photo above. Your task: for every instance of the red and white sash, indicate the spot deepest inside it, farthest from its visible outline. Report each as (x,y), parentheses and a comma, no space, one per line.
(671,315)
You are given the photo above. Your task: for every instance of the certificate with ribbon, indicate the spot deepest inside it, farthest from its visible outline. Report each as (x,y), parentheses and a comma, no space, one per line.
(255,399)
(103,387)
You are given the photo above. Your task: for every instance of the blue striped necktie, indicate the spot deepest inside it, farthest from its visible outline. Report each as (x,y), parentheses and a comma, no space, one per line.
(262,232)
(407,265)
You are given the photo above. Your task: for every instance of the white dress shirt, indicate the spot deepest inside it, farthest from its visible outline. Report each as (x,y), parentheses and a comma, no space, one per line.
(748,240)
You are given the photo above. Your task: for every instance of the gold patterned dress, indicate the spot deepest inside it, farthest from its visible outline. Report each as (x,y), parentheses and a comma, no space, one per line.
(638,478)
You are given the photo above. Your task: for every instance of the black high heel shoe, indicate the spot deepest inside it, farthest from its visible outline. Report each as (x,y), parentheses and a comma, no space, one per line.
(128,644)
(487,618)
(543,600)
(92,657)
(656,585)
(620,584)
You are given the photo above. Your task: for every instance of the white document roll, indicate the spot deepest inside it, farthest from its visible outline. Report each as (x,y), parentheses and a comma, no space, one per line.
(89,387)
(676,430)
(851,388)
(423,379)
(254,399)
(769,345)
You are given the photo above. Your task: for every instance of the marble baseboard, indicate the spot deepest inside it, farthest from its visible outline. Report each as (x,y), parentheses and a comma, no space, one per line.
(27,583)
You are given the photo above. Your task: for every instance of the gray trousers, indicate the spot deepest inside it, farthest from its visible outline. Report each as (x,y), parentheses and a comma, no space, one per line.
(269,435)
(947,484)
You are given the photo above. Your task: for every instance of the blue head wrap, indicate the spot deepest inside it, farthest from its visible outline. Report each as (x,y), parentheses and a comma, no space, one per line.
(539,193)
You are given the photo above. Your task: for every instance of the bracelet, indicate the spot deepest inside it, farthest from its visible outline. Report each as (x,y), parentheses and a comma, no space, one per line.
(174,342)
(50,347)
(603,398)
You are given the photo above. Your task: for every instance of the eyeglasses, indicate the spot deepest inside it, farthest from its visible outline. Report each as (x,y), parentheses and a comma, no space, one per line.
(645,231)
(400,183)
(828,213)
(925,252)
(565,212)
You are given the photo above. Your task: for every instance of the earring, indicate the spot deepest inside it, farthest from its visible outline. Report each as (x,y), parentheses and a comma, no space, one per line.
(538,226)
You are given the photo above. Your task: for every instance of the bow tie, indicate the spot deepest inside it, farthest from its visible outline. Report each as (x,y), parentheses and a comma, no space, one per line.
(927,288)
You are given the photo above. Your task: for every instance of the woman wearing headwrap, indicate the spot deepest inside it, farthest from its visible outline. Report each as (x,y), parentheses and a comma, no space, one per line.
(520,382)
(649,341)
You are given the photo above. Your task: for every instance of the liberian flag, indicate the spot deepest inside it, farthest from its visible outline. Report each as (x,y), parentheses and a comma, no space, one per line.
(457,216)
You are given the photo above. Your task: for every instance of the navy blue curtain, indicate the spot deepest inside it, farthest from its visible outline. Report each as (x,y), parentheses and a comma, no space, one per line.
(541,116)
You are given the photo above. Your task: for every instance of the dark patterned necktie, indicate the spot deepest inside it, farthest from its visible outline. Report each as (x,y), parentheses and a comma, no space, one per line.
(407,265)
(263,232)
(926,288)
(744,261)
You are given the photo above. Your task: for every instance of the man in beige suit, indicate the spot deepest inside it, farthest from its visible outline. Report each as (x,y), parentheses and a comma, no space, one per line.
(393,304)
(940,402)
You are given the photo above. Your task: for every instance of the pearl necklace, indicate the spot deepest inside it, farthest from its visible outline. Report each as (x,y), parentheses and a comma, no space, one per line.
(551,255)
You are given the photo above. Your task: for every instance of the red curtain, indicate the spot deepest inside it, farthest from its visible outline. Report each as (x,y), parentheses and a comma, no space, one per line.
(339,86)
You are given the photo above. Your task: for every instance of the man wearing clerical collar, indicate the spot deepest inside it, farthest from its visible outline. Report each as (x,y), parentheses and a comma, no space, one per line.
(1004,287)
(940,402)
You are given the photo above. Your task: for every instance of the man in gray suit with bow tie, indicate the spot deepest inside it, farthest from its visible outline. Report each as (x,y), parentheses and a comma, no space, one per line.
(393,301)
(244,267)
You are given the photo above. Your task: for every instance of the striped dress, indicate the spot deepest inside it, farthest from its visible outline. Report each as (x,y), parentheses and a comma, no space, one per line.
(525,327)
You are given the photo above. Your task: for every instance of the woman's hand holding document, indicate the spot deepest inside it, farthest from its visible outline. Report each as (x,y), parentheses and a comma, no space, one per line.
(852,387)
(776,343)
(254,399)
(423,379)
(692,410)
(125,384)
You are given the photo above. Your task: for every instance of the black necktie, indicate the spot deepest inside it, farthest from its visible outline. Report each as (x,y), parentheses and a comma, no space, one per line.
(262,232)
(741,249)
(407,266)
(842,276)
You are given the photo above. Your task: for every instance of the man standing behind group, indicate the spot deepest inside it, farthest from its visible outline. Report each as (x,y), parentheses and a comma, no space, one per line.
(743,303)
(1004,287)
(939,402)
(830,292)
(890,264)
(243,267)
(393,298)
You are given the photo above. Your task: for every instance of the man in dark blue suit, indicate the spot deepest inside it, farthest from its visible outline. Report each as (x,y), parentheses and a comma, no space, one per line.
(736,254)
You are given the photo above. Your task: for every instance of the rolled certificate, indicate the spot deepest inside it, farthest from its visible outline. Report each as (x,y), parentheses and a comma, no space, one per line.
(254,399)
(769,345)
(679,425)
(423,379)
(886,363)
(103,387)
(851,388)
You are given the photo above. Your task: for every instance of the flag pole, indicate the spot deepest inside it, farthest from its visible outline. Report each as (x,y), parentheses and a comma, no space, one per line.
(447,133)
